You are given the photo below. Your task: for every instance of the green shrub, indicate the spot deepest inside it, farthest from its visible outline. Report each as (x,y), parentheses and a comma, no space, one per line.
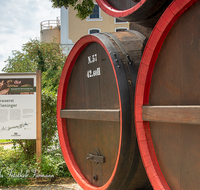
(53,163)
(50,59)
(17,169)
(13,163)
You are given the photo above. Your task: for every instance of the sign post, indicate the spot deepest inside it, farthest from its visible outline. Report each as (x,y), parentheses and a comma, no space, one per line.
(20,107)
(38,117)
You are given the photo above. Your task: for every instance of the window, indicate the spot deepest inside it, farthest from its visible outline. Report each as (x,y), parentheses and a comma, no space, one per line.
(120,29)
(118,21)
(96,14)
(94,30)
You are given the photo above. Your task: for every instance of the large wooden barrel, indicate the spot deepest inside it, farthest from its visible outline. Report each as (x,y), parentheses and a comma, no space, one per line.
(96,112)
(144,12)
(144,30)
(167,99)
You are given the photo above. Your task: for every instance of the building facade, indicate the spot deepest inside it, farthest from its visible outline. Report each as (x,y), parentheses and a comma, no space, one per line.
(50,30)
(96,22)
(73,28)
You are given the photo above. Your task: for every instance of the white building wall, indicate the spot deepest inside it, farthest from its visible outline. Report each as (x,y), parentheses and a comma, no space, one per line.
(64,31)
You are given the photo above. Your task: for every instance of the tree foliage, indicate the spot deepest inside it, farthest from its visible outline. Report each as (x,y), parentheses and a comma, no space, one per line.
(84,7)
(49,58)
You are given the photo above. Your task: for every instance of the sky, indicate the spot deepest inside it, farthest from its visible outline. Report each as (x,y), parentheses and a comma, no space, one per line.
(20,21)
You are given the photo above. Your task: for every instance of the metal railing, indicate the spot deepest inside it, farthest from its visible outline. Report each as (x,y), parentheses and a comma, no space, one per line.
(50,24)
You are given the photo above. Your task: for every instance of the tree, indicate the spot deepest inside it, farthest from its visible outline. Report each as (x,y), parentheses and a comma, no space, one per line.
(84,7)
(49,58)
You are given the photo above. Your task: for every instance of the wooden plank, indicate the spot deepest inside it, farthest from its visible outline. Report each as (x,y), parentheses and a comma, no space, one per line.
(38,116)
(172,114)
(91,114)
(16,74)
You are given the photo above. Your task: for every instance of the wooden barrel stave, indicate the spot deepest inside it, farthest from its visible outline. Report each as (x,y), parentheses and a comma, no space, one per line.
(144,30)
(115,139)
(167,100)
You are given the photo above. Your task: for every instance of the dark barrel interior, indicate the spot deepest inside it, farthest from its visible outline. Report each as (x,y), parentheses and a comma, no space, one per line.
(98,112)
(122,5)
(143,12)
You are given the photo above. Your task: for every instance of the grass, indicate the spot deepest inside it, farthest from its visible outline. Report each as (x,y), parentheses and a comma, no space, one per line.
(5,140)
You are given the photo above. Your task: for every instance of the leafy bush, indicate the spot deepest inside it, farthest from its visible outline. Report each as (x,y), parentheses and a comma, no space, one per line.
(53,163)
(13,163)
(16,169)
(49,58)
(49,122)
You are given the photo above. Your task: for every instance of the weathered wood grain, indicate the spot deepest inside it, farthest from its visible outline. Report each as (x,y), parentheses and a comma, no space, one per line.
(172,114)
(91,114)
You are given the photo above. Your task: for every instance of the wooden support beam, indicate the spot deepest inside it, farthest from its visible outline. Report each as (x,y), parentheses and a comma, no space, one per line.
(172,114)
(91,114)
(38,116)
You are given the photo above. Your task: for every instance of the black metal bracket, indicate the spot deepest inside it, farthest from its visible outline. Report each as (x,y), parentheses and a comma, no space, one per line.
(96,157)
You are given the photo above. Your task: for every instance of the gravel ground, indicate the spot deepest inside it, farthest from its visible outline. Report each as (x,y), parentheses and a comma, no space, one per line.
(62,183)
(47,187)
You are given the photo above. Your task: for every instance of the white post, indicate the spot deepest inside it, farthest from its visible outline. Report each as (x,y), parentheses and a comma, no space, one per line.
(64,32)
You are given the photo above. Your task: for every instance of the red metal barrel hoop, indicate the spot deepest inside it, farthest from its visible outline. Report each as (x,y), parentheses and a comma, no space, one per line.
(66,149)
(144,12)
(118,13)
(150,55)
(95,112)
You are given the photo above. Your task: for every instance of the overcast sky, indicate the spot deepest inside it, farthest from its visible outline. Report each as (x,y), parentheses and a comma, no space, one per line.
(20,21)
